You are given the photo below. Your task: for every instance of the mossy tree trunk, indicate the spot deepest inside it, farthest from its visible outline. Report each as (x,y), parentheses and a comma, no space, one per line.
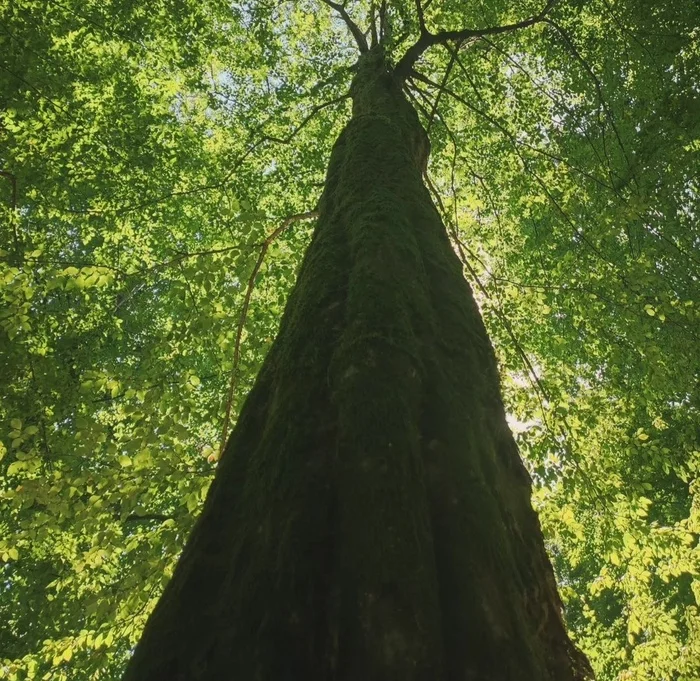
(370,519)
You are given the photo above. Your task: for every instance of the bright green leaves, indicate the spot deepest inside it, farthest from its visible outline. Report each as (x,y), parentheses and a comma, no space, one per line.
(8,553)
(85,277)
(154,152)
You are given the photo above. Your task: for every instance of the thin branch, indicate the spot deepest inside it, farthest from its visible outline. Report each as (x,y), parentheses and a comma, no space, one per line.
(577,233)
(147,517)
(557,159)
(42,419)
(535,381)
(415,101)
(352,26)
(445,78)
(427,39)
(461,247)
(596,83)
(225,180)
(527,145)
(244,314)
(304,122)
(421,18)
(560,103)
(139,270)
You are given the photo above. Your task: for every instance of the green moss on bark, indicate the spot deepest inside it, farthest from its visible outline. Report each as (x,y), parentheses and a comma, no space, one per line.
(370,519)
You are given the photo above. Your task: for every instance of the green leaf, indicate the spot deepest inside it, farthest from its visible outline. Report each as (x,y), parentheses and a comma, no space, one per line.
(143,459)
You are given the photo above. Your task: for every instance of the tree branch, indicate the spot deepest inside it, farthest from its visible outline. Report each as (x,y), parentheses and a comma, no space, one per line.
(305,121)
(220,184)
(352,26)
(146,517)
(428,39)
(598,88)
(244,314)
(577,233)
(445,78)
(516,142)
(421,18)
(535,381)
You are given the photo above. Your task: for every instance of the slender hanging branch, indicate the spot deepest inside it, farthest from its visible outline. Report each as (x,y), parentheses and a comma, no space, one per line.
(579,236)
(598,88)
(514,140)
(290,137)
(526,166)
(147,517)
(352,26)
(445,78)
(244,314)
(452,226)
(535,381)
(428,39)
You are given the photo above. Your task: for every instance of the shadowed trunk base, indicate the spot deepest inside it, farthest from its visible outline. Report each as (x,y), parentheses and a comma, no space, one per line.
(370,519)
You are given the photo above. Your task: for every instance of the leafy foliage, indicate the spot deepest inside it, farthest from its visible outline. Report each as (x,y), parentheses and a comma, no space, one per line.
(146,154)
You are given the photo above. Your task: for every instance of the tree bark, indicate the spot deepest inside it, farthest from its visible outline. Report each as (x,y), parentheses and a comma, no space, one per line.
(370,519)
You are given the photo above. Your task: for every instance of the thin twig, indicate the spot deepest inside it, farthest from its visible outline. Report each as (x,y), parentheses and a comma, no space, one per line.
(146,517)
(305,121)
(253,146)
(445,78)
(578,234)
(244,313)
(598,88)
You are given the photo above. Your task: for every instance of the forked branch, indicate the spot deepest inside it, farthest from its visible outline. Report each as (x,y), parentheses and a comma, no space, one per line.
(428,39)
(352,26)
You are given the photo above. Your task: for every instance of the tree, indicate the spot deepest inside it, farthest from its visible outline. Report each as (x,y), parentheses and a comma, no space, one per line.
(548,150)
(370,518)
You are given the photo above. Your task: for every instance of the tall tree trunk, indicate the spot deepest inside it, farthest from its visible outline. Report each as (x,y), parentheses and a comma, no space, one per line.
(370,519)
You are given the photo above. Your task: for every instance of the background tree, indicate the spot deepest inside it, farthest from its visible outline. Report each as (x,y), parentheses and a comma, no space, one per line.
(148,156)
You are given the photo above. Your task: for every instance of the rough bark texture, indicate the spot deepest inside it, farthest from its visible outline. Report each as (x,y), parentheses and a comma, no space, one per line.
(370,519)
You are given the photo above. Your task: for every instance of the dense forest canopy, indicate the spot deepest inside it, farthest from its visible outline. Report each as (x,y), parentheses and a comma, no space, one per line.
(159,172)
